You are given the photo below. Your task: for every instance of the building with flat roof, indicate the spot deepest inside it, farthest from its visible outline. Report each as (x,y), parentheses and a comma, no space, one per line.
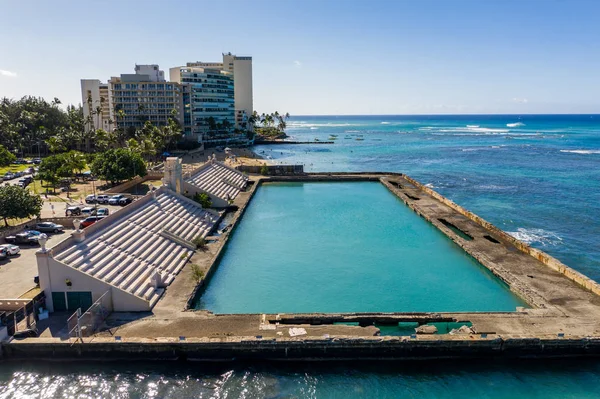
(235,74)
(143,96)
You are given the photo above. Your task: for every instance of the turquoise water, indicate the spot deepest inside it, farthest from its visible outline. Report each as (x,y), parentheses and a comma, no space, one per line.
(345,247)
(538,180)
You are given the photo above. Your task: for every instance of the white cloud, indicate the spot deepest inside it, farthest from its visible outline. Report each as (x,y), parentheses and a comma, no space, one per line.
(8,74)
(520,100)
(298,64)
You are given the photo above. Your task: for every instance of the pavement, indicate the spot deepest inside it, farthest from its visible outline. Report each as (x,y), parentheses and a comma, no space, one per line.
(17,272)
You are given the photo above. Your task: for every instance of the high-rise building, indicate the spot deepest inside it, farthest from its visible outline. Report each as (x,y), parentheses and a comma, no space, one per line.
(143,96)
(211,103)
(211,100)
(141,99)
(96,103)
(219,91)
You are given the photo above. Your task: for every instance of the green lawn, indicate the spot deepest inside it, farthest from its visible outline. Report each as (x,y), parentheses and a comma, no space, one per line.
(13,168)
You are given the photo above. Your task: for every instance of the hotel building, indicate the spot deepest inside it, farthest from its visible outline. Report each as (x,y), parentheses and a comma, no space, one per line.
(196,94)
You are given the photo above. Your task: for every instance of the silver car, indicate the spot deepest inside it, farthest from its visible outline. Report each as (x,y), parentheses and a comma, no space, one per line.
(48,227)
(11,250)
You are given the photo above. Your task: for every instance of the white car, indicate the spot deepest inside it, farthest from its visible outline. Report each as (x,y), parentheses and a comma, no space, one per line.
(11,250)
(102,199)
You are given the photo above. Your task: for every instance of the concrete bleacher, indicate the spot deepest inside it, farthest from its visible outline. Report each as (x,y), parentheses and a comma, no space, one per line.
(129,251)
(218,179)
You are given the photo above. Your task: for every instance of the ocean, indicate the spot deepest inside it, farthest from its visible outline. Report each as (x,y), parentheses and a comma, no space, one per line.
(536,177)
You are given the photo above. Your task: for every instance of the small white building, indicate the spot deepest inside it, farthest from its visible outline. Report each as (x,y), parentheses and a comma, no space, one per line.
(133,254)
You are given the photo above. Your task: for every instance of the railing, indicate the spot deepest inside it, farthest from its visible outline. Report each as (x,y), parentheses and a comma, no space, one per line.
(87,324)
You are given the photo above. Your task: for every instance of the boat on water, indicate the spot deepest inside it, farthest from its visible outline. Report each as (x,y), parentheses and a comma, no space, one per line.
(316,139)
(359,139)
(332,137)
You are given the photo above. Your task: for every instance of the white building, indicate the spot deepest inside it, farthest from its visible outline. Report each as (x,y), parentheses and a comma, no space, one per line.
(96,100)
(131,255)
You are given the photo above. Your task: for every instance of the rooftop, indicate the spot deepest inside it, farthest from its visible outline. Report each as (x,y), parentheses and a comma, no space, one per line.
(218,179)
(127,250)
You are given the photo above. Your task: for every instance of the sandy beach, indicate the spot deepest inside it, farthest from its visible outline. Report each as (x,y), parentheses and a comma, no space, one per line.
(243,156)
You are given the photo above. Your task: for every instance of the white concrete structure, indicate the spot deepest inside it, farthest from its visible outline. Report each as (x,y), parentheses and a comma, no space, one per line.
(132,254)
(97,103)
(221,182)
(152,71)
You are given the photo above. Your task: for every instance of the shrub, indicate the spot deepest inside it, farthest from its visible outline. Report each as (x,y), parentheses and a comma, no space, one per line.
(264,170)
(203,199)
(200,242)
(197,273)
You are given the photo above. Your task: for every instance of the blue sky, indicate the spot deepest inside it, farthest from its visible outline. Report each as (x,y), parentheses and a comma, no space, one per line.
(323,57)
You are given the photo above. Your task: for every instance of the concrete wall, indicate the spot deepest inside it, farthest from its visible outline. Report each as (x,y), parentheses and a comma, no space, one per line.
(273,169)
(190,190)
(543,257)
(53,275)
(305,349)
(122,188)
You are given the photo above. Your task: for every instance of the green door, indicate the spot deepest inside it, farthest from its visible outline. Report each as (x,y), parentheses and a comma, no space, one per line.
(58,300)
(81,300)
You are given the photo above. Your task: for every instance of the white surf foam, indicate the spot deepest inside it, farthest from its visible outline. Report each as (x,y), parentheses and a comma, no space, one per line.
(531,236)
(582,151)
(385,123)
(313,128)
(516,124)
(472,125)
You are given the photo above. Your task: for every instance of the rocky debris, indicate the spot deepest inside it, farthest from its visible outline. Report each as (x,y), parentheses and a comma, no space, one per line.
(462,330)
(426,329)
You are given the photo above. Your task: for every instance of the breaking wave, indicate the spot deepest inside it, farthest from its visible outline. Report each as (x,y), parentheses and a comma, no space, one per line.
(516,124)
(536,236)
(582,151)
(385,123)
(472,125)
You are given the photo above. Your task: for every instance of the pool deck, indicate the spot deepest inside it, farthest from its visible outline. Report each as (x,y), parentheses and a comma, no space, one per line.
(563,317)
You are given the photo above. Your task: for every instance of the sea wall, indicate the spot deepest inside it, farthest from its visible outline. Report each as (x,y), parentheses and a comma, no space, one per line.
(302,349)
(273,169)
(543,257)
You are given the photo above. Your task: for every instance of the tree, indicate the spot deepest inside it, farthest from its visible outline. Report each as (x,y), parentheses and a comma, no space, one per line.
(6,157)
(118,164)
(18,203)
(54,168)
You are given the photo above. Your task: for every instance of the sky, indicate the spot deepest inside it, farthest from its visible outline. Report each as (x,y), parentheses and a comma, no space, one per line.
(324,57)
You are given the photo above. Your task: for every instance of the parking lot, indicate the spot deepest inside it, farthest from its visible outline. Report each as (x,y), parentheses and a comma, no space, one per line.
(17,272)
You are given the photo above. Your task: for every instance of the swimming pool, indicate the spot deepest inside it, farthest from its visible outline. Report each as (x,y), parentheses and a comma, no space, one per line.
(345,247)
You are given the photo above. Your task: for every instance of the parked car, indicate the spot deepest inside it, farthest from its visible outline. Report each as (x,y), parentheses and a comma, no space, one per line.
(90,199)
(102,199)
(90,221)
(88,211)
(102,212)
(3,254)
(29,237)
(114,200)
(73,211)
(37,161)
(10,249)
(8,176)
(23,182)
(127,199)
(48,227)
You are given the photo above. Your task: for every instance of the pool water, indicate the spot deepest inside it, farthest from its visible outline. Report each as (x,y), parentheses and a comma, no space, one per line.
(345,247)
